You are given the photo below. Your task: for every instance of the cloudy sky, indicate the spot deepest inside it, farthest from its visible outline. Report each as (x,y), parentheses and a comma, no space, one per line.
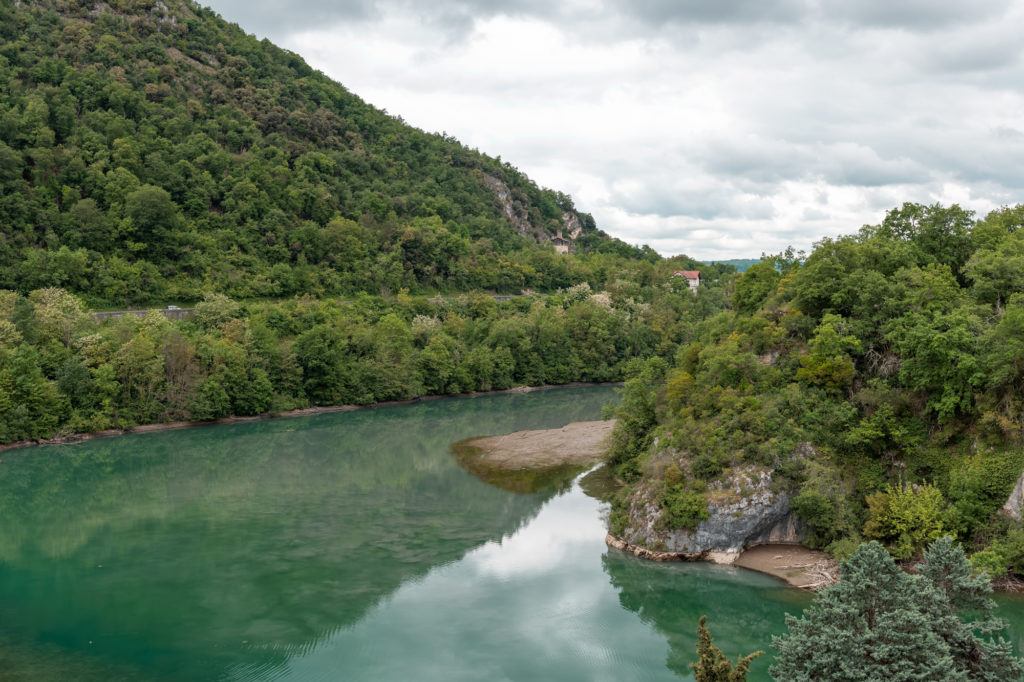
(716,128)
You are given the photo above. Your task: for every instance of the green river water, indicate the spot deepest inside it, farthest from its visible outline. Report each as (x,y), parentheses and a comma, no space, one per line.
(348,546)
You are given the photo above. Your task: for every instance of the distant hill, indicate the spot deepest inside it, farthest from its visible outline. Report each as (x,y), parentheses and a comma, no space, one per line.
(150,151)
(741,264)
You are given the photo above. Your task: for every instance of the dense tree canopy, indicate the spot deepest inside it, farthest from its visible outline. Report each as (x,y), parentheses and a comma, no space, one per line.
(880,377)
(150,151)
(61,370)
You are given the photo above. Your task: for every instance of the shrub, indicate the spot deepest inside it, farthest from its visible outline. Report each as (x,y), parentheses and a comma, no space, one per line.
(1004,554)
(673,475)
(906,518)
(706,467)
(989,561)
(843,549)
(823,504)
(682,508)
(617,521)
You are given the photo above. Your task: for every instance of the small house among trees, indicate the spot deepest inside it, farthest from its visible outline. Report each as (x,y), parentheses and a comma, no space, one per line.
(692,277)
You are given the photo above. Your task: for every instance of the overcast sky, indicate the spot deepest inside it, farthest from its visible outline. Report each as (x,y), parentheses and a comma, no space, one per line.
(716,128)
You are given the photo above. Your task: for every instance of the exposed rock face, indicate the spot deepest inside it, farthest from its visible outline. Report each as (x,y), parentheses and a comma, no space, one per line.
(743,510)
(512,211)
(515,212)
(572,224)
(1015,504)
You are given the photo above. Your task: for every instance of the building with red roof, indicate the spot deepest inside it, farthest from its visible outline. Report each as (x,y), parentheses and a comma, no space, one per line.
(692,277)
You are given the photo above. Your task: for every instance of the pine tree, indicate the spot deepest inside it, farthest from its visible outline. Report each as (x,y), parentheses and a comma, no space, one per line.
(712,665)
(879,623)
(946,567)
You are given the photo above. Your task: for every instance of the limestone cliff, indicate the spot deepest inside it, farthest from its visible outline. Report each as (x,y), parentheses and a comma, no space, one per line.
(743,511)
(511,209)
(1015,504)
(514,210)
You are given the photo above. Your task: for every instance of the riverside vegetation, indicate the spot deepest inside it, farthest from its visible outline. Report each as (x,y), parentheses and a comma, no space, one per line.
(61,371)
(879,622)
(880,379)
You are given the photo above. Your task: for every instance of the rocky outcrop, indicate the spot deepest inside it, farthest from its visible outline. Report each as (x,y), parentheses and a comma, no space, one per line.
(1015,504)
(642,552)
(518,216)
(571,223)
(743,511)
(509,207)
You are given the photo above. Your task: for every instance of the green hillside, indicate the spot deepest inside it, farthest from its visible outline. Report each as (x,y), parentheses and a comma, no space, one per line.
(881,379)
(151,151)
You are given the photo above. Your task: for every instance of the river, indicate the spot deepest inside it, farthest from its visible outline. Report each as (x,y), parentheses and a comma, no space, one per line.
(345,546)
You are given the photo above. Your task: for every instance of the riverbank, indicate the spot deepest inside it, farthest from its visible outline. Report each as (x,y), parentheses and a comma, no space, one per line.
(525,461)
(799,566)
(77,437)
(580,443)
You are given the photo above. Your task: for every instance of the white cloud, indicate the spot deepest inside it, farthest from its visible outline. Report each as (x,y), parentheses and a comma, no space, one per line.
(720,130)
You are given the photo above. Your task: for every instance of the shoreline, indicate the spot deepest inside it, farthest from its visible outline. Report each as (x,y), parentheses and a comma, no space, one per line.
(526,461)
(81,437)
(796,565)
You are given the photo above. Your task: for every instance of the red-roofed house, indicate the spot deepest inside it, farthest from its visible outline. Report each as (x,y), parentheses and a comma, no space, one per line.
(692,276)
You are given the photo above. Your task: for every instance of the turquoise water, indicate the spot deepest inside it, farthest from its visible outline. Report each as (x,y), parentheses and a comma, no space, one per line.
(348,546)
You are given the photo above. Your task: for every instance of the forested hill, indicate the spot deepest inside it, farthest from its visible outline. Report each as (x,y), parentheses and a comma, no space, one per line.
(880,380)
(151,151)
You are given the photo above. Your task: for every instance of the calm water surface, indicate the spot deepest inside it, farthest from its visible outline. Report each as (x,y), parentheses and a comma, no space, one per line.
(348,546)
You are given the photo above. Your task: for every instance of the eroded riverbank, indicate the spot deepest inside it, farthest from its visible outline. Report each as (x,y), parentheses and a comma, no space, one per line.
(799,566)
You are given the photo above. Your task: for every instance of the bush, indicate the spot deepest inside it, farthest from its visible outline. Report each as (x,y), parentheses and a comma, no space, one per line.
(682,508)
(823,504)
(818,512)
(843,549)
(673,475)
(989,561)
(979,485)
(618,515)
(906,518)
(706,467)
(1004,554)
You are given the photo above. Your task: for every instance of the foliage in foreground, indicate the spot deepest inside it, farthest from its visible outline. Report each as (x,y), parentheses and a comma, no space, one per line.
(881,623)
(712,665)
